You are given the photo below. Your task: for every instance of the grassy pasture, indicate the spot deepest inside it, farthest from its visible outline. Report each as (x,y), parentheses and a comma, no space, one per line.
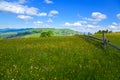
(112,37)
(57,58)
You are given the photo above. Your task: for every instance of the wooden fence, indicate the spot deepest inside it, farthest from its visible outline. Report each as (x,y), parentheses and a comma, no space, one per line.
(103,40)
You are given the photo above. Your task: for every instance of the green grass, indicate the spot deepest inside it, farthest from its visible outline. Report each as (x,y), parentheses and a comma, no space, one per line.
(112,37)
(36,35)
(57,58)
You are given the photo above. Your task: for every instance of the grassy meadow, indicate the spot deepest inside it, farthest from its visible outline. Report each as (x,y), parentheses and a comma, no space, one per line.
(112,37)
(58,58)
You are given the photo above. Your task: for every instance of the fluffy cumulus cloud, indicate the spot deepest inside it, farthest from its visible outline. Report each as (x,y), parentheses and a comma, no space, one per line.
(38,22)
(42,14)
(84,26)
(96,17)
(87,26)
(114,23)
(68,24)
(19,9)
(118,16)
(23,17)
(114,26)
(90,26)
(48,1)
(75,24)
(52,13)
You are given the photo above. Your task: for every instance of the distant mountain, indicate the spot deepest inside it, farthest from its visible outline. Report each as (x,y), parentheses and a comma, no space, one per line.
(34,32)
(13,30)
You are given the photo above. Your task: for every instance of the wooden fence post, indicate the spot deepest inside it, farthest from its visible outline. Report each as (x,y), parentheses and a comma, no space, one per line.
(104,40)
(88,36)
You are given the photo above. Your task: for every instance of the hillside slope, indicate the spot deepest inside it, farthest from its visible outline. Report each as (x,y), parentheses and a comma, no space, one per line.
(35,32)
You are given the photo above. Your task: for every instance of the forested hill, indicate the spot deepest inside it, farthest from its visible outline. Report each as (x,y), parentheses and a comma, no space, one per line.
(35,32)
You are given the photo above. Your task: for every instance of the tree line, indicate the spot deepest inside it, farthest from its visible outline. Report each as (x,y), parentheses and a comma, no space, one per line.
(103,31)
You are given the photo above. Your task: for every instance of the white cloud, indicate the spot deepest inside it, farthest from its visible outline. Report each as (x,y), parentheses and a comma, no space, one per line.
(42,14)
(96,17)
(52,13)
(118,16)
(90,26)
(38,22)
(48,1)
(22,1)
(50,20)
(19,9)
(23,17)
(114,23)
(114,26)
(84,26)
(68,24)
(75,24)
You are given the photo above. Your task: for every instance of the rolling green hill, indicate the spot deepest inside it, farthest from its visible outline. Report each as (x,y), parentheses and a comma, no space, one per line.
(57,32)
(35,32)
(8,34)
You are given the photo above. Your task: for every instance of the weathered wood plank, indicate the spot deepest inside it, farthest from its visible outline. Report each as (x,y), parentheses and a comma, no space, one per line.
(113,45)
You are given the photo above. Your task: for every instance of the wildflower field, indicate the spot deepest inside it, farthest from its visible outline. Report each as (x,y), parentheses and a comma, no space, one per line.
(58,58)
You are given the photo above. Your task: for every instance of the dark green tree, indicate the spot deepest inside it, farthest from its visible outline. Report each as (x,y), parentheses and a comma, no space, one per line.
(47,34)
(44,34)
(110,31)
(50,33)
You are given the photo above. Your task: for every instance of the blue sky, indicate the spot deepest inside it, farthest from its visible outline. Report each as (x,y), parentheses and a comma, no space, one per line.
(79,15)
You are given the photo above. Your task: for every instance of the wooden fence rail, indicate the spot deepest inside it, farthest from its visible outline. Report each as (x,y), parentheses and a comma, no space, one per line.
(113,45)
(103,40)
